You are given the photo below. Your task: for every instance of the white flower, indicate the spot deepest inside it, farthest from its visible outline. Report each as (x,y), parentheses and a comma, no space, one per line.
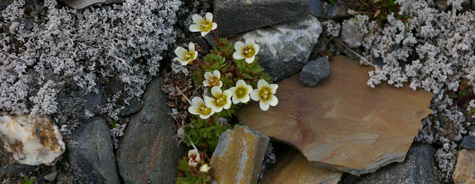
(186,56)
(241,92)
(221,100)
(193,158)
(204,168)
(212,79)
(198,107)
(246,51)
(203,25)
(265,94)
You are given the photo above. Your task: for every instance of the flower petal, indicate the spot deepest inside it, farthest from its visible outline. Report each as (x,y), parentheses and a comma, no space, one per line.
(198,19)
(228,94)
(216,91)
(261,83)
(196,55)
(245,99)
(184,62)
(194,28)
(232,89)
(193,110)
(228,104)
(197,101)
(235,99)
(220,84)
(241,83)
(250,60)
(181,52)
(256,49)
(209,16)
(249,89)
(255,95)
(208,75)
(203,34)
(264,105)
(239,46)
(191,47)
(273,88)
(214,26)
(238,56)
(216,74)
(206,83)
(273,101)
(250,42)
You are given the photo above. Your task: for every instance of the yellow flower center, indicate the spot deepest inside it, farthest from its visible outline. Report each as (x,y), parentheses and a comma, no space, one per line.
(265,93)
(214,81)
(205,110)
(206,27)
(240,92)
(190,55)
(220,100)
(249,51)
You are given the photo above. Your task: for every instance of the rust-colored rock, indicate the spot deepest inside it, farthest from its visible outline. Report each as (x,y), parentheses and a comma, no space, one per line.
(238,156)
(465,168)
(293,167)
(343,124)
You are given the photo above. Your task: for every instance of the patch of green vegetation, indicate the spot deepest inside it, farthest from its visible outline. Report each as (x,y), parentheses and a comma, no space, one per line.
(205,133)
(28,180)
(191,175)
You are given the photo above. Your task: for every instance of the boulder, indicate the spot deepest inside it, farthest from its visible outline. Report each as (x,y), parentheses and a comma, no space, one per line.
(350,34)
(314,71)
(285,48)
(238,156)
(293,167)
(418,167)
(149,151)
(237,16)
(93,154)
(465,168)
(342,124)
(30,140)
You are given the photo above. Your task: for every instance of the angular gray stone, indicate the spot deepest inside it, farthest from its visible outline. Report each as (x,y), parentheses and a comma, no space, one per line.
(80,4)
(285,48)
(350,34)
(418,167)
(94,154)
(468,142)
(316,8)
(314,71)
(149,152)
(338,11)
(238,16)
(134,106)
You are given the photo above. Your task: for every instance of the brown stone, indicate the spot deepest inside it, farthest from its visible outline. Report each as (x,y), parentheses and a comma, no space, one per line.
(238,156)
(293,167)
(465,169)
(343,124)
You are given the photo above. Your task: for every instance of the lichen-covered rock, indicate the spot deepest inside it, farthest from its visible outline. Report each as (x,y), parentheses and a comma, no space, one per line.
(149,151)
(238,156)
(418,167)
(314,71)
(285,48)
(80,4)
(343,124)
(350,34)
(236,16)
(94,155)
(30,140)
(465,169)
(293,167)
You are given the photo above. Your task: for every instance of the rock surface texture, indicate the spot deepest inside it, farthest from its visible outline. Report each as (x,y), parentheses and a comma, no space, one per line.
(468,142)
(94,155)
(149,151)
(29,140)
(465,169)
(343,124)
(80,4)
(418,167)
(238,156)
(285,48)
(293,167)
(237,16)
(350,34)
(314,71)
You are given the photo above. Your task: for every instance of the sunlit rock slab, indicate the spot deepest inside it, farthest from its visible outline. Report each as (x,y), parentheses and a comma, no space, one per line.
(342,124)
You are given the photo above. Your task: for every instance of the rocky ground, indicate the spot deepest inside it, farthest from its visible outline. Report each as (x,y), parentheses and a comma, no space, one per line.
(346,111)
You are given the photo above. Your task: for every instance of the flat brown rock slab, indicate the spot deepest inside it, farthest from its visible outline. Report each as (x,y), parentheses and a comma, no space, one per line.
(465,168)
(238,156)
(293,167)
(342,124)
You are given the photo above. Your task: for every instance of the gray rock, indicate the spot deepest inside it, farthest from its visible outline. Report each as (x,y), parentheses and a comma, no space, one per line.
(80,4)
(238,16)
(468,142)
(316,8)
(441,4)
(285,48)
(350,34)
(94,154)
(134,106)
(338,11)
(418,167)
(149,152)
(16,169)
(314,71)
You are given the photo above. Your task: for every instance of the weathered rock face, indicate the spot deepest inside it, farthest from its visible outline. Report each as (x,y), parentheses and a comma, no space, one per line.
(94,155)
(338,11)
(237,16)
(343,124)
(350,34)
(80,4)
(285,48)
(468,142)
(238,156)
(316,8)
(418,167)
(149,151)
(293,167)
(465,168)
(30,140)
(314,71)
